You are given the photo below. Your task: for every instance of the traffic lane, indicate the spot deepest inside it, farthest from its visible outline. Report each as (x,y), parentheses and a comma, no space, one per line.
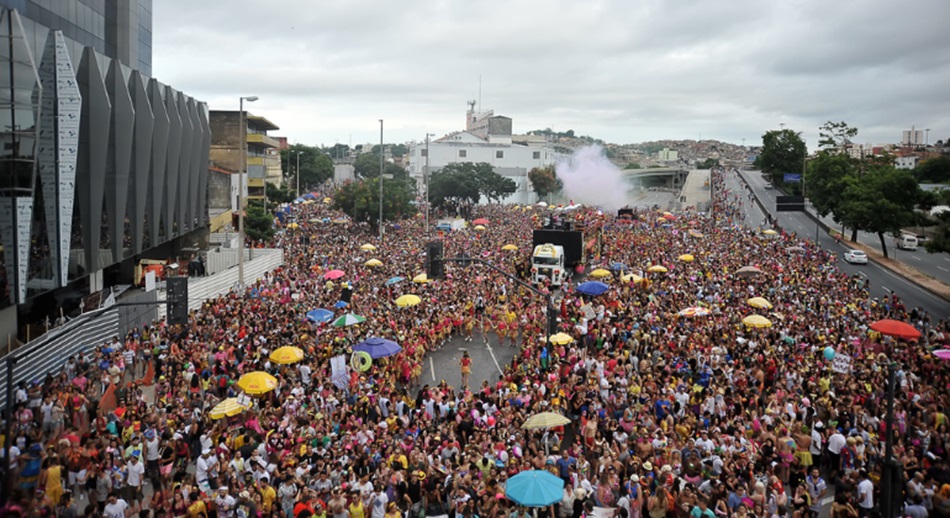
(488,361)
(936,265)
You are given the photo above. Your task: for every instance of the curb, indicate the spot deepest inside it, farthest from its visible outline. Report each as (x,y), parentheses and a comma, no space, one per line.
(908,273)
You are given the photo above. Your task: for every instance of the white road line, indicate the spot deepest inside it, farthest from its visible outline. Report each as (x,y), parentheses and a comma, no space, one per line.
(942,268)
(915,257)
(492,353)
(432,368)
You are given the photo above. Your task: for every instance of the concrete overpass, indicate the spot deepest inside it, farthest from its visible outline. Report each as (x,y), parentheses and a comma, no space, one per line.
(675,176)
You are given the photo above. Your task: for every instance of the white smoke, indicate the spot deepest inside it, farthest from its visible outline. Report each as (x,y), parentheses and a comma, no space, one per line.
(589,178)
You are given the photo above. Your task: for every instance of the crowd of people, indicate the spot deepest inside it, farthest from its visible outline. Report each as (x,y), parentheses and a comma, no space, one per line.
(670,414)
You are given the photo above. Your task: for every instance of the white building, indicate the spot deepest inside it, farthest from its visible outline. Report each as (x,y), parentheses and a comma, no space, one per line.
(487,138)
(912,137)
(667,155)
(906,162)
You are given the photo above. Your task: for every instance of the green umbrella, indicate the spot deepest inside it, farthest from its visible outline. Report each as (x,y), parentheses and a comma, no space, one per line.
(348,319)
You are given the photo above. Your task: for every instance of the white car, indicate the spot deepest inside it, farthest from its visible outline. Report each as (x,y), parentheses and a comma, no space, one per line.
(856,257)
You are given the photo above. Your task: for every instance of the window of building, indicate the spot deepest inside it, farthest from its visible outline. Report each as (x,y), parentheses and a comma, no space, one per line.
(499,154)
(536,155)
(425,152)
(463,153)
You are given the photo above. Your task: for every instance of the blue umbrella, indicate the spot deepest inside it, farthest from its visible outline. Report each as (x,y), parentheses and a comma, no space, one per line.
(534,488)
(309,196)
(593,288)
(378,347)
(340,304)
(395,280)
(320,315)
(618,267)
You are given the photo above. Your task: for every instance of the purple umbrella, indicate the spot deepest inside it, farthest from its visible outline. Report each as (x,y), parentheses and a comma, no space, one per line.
(378,347)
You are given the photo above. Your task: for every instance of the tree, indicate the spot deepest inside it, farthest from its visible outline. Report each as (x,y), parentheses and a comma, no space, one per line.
(258,224)
(360,200)
(836,135)
(544,180)
(315,166)
(454,183)
(482,175)
(882,201)
(282,194)
(934,170)
(709,163)
(492,185)
(633,165)
(367,166)
(826,178)
(783,151)
(940,240)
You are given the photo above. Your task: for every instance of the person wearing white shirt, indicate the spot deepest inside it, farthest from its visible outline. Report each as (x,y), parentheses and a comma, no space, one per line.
(115,507)
(136,472)
(816,443)
(835,442)
(865,494)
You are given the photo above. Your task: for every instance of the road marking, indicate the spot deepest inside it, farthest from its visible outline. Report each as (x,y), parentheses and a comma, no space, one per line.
(432,368)
(492,353)
(944,269)
(915,257)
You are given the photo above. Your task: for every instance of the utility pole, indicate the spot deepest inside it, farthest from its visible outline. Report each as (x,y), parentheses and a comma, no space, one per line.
(380,180)
(427,181)
(250,99)
(298,173)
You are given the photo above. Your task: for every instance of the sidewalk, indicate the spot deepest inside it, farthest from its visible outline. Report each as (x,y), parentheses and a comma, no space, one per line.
(696,191)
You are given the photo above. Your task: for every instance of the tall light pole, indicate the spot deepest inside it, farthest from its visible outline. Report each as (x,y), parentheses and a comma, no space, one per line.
(250,99)
(380,180)
(295,152)
(427,179)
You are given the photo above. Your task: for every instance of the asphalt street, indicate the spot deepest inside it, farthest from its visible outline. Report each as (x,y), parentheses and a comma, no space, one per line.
(934,265)
(883,281)
(488,361)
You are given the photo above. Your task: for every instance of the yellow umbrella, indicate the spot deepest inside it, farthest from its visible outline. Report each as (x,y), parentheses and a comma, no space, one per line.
(544,420)
(479,227)
(509,247)
(760,303)
(421,279)
(694,311)
(661,219)
(770,232)
(368,247)
(687,258)
(228,408)
(286,355)
(657,269)
(257,382)
(632,277)
(561,339)
(293,226)
(373,262)
(600,273)
(408,300)
(695,233)
(757,321)
(328,200)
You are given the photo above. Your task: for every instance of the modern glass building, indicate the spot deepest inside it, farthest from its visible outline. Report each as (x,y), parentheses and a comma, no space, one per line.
(100,164)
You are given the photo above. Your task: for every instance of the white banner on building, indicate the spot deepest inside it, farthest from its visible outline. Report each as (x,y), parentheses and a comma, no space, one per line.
(149,281)
(338,373)
(841,364)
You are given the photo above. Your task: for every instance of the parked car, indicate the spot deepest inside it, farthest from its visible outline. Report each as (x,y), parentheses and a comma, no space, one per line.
(856,257)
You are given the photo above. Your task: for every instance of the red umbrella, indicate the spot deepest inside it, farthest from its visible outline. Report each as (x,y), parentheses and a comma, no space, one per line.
(333,274)
(896,328)
(480,221)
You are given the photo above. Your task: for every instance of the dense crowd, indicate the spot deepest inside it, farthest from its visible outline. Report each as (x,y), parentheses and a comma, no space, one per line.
(670,415)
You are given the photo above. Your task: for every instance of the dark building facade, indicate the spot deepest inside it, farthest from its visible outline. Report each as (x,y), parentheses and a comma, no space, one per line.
(100,164)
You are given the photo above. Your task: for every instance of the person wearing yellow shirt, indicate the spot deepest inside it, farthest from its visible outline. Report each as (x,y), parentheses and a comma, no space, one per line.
(356,508)
(268,495)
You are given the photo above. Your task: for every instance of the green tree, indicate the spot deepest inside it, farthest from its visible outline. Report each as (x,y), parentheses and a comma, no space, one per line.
(367,166)
(338,151)
(315,167)
(360,200)
(940,239)
(934,170)
(836,135)
(258,224)
(544,180)
(277,195)
(633,165)
(492,185)
(783,151)
(709,163)
(881,200)
(454,183)
(826,178)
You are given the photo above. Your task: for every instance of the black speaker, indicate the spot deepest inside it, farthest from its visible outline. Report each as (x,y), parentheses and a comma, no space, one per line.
(176,300)
(434,266)
(346,295)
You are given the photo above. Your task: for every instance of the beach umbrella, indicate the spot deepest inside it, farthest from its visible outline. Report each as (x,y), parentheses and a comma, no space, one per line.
(286,355)
(394,280)
(257,382)
(943,354)
(340,304)
(509,247)
(545,420)
(561,339)
(368,247)
(694,311)
(309,196)
(328,200)
(377,347)
(669,215)
(695,233)
(797,249)
(600,273)
(748,270)
(293,226)
(479,227)
(333,274)
(631,277)
(896,328)
(534,488)
(341,221)
(618,267)
(373,262)
(757,321)
(657,269)
(480,221)
(421,279)
(770,232)
(592,288)
(541,204)
(348,319)
(320,315)
(686,258)
(759,302)
(228,408)
(777,316)
(408,300)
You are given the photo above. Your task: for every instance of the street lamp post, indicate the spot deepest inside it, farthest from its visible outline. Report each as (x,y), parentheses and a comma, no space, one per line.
(250,99)
(427,180)
(380,180)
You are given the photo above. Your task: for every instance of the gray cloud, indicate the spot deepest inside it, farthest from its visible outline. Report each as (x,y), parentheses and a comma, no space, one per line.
(619,70)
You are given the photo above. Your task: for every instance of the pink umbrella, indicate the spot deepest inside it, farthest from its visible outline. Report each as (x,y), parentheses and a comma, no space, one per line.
(333,274)
(943,354)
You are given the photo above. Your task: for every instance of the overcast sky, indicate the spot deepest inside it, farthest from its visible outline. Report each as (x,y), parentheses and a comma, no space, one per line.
(620,70)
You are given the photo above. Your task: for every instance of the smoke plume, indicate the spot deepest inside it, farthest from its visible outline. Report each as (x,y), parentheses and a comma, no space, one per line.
(589,178)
